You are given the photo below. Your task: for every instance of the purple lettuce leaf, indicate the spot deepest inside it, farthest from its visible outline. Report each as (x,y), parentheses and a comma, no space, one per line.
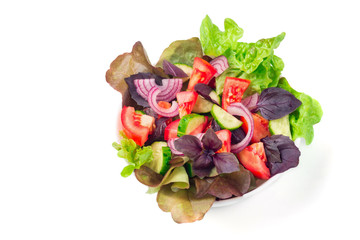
(275,103)
(173,70)
(225,185)
(283,146)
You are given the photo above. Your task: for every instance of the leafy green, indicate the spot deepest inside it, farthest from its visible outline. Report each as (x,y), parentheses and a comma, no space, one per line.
(183,204)
(305,116)
(135,155)
(216,42)
(128,64)
(266,75)
(176,176)
(253,61)
(248,56)
(182,51)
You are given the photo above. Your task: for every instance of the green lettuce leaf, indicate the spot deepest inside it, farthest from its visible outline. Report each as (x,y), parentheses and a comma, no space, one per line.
(135,155)
(216,42)
(182,51)
(248,56)
(305,116)
(266,75)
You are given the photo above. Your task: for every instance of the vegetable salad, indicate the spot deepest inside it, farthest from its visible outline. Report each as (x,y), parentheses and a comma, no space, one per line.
(211,120)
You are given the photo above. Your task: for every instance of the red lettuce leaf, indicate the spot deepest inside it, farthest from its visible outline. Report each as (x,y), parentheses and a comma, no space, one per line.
(183,204)
(225,185)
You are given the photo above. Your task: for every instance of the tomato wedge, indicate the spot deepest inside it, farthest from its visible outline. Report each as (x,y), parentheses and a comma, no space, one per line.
(136,126)
(201,128)
(225,136)
(253,158)
(202,73)
(171,130)
(186,101)
(261,127)
(234,89)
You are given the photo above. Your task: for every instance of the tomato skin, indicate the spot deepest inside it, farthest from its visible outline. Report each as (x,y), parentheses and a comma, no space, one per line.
(261,127)
(203,72)
(234,89)
(132,127)
(171,130)
(186,101)
(225,136)
(253,158)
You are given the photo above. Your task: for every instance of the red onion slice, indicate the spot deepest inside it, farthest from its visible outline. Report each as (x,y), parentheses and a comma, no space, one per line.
(220,64)
(169,89)
(171,145)
(152,99)
(143,86)
(239,109)
(251,101)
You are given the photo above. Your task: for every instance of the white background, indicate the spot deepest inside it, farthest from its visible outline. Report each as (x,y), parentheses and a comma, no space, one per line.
(59,175)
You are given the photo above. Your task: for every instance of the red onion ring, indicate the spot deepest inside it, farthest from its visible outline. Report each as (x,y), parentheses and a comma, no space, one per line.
(251,101)
(220,64)
(168,90)
(240,110)
(152,99)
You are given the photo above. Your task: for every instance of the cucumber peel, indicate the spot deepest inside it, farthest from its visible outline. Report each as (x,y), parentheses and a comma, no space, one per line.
(225,119)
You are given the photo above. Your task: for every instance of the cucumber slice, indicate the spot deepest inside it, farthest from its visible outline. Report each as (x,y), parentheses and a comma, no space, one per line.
(162,157)
(189,122)
(214,97)
(202,105)
(280,126)
(188,169)
(186,68)
(225,119)
(140,112)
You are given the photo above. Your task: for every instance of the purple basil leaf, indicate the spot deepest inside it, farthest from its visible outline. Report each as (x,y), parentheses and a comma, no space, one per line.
(189,145)
(132,88)
(211,141)
(215,126)
(158,134)
(289,153)
(237,135)
(204,90)
(202,165)
(226,162)
(173,70)
(275,103)
(150,112)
